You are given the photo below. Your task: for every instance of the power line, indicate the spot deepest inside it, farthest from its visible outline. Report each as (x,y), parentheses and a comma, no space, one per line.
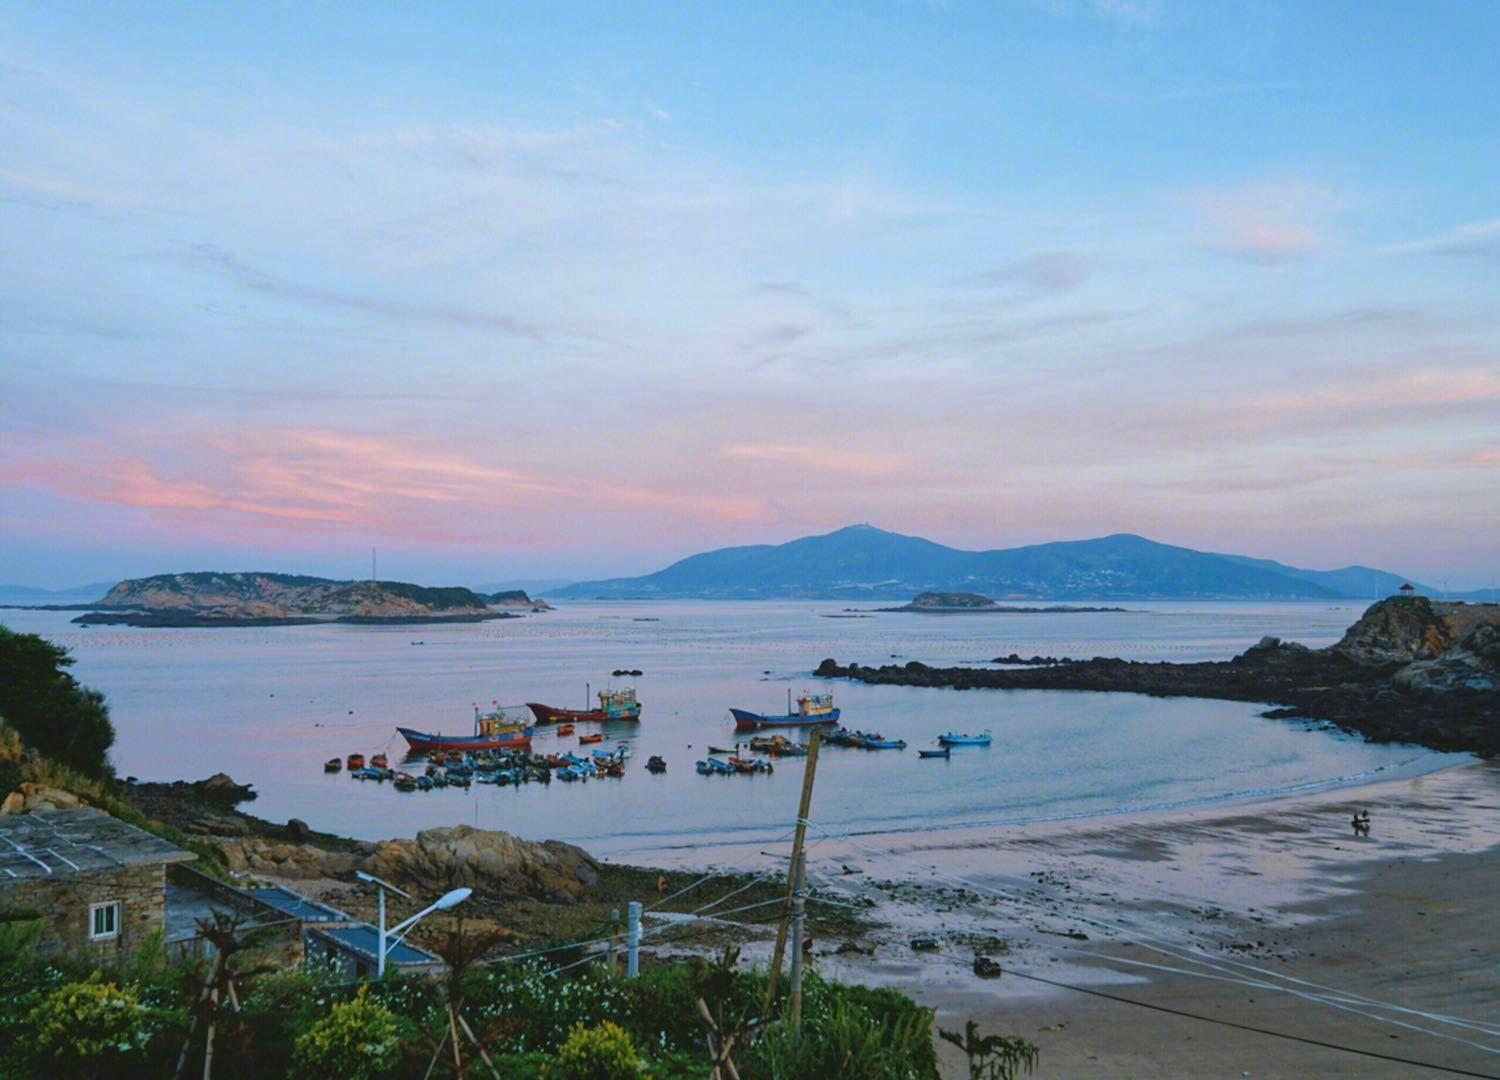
(1251,1027)
(1340,1002)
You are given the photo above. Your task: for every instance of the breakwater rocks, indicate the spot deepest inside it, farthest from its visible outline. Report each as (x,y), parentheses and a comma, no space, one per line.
(1410,670)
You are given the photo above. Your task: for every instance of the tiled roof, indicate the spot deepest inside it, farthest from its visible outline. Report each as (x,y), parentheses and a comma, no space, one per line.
(70,843)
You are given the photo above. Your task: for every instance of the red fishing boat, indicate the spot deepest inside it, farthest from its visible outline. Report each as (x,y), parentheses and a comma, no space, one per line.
(564,729)
(585,740)
(613,705)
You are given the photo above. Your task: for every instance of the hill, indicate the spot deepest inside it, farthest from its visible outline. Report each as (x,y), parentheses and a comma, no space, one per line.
(863,562)
(223,598)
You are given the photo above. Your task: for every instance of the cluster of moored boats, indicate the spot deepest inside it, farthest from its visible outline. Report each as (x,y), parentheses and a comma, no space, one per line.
(499,749)
(458,768)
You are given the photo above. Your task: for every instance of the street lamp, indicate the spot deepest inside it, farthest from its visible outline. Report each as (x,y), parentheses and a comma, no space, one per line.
(388,938)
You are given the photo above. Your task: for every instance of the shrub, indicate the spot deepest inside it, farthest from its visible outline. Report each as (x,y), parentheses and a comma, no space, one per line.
(605,1052)
(357,1039)
(90,1028)
(47,706)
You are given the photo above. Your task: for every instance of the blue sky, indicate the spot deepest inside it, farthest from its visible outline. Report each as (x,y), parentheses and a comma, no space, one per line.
(519,290)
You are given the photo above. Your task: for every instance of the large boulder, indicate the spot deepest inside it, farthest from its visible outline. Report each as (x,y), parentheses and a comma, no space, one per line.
(488,861)
(1398,630)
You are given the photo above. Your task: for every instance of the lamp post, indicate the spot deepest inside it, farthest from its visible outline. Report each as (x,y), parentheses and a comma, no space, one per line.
(387,938)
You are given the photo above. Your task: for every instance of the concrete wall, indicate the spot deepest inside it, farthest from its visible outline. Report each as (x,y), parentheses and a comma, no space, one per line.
(64,904)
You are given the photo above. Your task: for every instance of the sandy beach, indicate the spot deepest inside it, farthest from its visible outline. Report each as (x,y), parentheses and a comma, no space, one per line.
(1264,892)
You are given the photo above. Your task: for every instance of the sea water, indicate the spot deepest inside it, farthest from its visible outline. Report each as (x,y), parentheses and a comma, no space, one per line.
(269,705)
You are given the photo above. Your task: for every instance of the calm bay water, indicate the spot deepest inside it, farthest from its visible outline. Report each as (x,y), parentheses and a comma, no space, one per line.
(269,705)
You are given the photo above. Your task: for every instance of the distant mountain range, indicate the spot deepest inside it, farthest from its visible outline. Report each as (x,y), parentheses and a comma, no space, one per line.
(861,562)
(25,594)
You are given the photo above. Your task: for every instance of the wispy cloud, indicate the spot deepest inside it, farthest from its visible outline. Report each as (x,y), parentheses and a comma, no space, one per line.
(1477,239)
(271,285)
(1045,272)
(1267,222)
(821,459)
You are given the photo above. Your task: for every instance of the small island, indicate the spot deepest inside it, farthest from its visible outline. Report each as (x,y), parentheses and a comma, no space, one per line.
(964,603)
(212,599)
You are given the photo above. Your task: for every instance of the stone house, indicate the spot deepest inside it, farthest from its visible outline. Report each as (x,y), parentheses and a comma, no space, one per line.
(98,884)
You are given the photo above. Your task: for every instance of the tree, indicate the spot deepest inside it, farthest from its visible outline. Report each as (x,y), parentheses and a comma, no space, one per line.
(53,713)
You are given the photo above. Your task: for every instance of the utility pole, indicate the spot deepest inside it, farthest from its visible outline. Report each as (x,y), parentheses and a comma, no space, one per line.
(798,837)
(633,939)
(799,935)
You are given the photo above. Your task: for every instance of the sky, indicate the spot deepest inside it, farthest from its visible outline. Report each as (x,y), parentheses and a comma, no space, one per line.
(513,290)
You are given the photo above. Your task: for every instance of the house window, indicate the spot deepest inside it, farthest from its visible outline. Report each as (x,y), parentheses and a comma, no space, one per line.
(104,921)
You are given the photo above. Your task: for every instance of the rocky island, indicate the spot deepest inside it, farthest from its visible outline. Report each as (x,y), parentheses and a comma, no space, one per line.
(266,599)
(1410,670)
(965,603)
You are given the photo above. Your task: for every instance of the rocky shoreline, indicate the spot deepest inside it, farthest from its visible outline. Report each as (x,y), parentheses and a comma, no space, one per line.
(185,619)
(1411,670)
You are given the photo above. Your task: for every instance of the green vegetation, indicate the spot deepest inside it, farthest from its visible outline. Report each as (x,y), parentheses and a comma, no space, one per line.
(356,1040)
(604,1052)
(133,1019)
(47,707)
(89,1028)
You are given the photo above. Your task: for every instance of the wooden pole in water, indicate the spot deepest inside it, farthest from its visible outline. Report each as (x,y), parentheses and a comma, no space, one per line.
(798,837)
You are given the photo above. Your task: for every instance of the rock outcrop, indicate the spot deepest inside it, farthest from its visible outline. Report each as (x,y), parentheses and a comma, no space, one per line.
(1398,631)
(494,863)
(1410,670)
(489,861)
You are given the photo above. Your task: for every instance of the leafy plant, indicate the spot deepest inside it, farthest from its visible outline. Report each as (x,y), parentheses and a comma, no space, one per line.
(90,1028)
(357,1039)
(850,1031)
(993,1057)
(605,1052)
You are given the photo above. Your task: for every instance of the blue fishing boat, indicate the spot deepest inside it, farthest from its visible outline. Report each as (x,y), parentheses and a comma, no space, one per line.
(491,732)
(953,739)
(812,710)
(884,744)
(944,752)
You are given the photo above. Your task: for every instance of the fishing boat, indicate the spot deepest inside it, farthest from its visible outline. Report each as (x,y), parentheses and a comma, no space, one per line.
(333,764)
(778,746)
(750,765)
(723,750)
(586,740)
(656,764)
(954,739)
(491,732)
(379,761)
(812,710)
(564,729)
(875,742)
(613,705)
(944,752)
(405,782)
(355,761)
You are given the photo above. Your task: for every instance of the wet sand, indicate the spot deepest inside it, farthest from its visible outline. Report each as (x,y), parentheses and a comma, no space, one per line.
(1267,892)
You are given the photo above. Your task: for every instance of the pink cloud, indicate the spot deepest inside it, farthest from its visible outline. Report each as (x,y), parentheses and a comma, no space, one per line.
(815,458)
(1267,222)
